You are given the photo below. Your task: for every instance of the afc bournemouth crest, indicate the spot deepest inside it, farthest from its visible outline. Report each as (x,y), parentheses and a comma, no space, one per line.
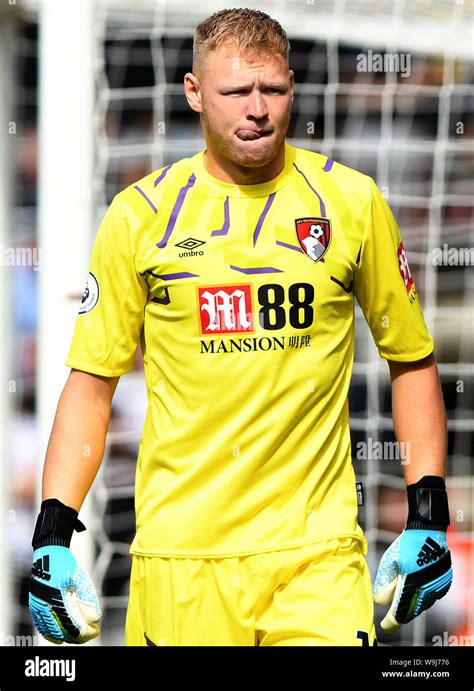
(314,236)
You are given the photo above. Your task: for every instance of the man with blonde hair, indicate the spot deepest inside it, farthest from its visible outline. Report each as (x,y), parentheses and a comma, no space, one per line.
(236,270)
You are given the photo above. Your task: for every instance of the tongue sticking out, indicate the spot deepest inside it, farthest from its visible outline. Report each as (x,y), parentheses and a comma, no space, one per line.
(247,135)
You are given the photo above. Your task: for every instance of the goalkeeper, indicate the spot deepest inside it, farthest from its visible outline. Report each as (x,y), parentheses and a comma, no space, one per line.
(247,526)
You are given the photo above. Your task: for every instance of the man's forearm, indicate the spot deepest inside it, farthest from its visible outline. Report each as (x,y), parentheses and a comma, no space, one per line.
(419,417)
(77,440)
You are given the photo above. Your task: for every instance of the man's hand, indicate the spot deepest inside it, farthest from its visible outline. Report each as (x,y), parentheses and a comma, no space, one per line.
(63,603)
(416,570)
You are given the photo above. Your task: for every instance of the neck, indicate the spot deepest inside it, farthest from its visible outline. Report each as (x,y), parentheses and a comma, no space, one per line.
(227,171)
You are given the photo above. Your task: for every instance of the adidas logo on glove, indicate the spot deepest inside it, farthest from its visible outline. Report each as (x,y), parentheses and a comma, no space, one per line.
(430,551)
(40,568)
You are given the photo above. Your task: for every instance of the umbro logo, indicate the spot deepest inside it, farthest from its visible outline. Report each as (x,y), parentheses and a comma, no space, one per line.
(430,551)
(190,245)
(40,568)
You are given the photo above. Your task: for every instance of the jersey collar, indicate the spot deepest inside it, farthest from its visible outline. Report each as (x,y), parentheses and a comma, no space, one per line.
(231,190)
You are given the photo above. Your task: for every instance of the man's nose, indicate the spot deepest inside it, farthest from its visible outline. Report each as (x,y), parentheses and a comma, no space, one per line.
(257,107)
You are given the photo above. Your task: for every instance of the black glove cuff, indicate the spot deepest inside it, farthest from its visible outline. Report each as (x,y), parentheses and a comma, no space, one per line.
(55,524)
(428,504)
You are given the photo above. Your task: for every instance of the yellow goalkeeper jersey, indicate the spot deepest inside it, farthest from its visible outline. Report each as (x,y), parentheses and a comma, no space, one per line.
(242,297)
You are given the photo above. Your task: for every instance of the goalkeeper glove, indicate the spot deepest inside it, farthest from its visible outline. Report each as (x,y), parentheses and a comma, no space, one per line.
(62,600)
(415,571)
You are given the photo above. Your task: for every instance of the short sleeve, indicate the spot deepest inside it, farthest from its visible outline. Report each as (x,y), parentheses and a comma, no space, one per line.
(111,313)
(385,290)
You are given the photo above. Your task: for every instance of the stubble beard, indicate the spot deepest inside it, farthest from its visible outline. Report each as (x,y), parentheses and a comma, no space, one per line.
(229,150)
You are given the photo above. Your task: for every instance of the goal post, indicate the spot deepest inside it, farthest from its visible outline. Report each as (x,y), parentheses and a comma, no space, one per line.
(66,133)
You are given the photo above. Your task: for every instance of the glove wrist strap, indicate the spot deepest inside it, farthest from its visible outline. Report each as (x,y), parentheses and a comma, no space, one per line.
(428,504)
(55,524)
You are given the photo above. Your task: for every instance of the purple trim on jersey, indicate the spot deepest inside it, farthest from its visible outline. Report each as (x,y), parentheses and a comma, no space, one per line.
(147,271)
(176,209)
(163,301)
(172,277)
(262,270)
(290,247)
(258,227)
(328,165)
(226,225)
(146,198)
(169,277)
(323,208)
(339,283)
(162,175)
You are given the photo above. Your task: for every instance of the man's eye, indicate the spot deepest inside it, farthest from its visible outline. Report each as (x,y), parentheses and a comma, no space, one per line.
(242,92)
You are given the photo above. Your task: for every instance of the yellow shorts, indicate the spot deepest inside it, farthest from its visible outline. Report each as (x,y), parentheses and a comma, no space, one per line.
(319,594)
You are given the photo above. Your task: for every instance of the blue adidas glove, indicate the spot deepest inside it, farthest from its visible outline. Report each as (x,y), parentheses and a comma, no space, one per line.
(62,600)
(415,571)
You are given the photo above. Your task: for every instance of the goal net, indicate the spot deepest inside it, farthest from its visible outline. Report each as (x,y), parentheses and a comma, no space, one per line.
(383,87)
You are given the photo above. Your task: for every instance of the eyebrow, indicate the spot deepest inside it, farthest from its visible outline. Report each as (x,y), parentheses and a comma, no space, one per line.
(249,85)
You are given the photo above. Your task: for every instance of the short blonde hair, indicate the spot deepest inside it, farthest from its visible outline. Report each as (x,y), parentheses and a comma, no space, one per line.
(252,31)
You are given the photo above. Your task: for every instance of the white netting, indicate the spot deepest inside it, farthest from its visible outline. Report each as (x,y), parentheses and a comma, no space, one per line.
(399,128)
(413,132)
